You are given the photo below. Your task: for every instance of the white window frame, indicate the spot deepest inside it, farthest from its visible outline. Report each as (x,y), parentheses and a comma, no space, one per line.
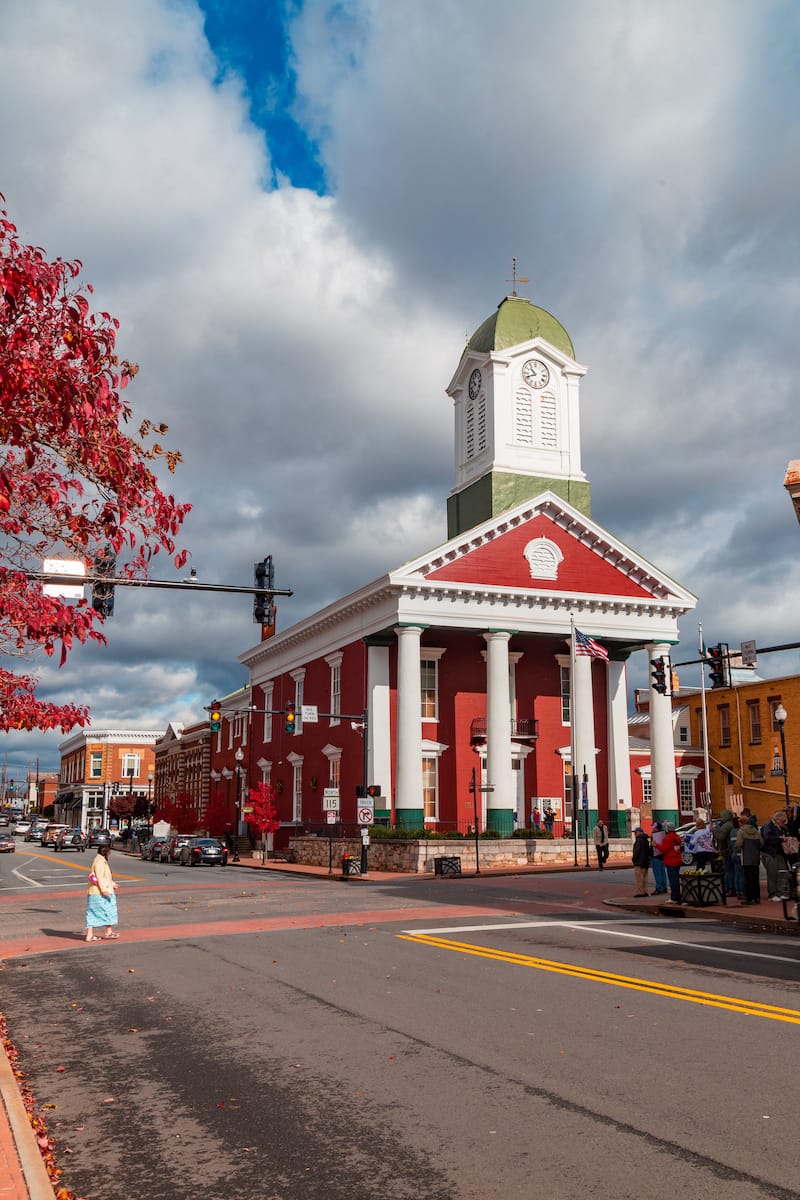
(269,690)
(430,654)
(96,761)
(299,678)
(131,760)
(334,661)
(430,764)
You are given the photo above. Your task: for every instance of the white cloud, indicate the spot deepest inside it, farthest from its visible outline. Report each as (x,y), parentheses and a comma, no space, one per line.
(636,159)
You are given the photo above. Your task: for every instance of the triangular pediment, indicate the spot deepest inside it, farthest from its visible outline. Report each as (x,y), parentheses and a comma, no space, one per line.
(545,545)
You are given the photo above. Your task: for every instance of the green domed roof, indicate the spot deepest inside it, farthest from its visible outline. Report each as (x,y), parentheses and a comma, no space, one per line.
(517,320)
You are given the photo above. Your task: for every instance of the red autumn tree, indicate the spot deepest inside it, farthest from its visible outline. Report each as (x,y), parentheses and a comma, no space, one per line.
(73,482)
(263,816)
(217,816)
(181,813)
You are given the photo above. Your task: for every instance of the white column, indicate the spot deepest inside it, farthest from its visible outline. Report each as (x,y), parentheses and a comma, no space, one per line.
(583,716)
(499,774)
(379,759)
(409,721)
(662,741)
(619,759)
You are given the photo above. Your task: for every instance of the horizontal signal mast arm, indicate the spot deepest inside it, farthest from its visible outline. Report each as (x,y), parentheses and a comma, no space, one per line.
(185,585)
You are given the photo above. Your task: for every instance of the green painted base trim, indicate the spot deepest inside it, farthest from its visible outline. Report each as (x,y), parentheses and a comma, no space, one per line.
(382,814)
(409,818)
(498,491)
(501,820)
(618,823)
(592,815)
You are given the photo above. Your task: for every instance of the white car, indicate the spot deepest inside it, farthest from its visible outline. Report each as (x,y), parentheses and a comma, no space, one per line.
(22,826)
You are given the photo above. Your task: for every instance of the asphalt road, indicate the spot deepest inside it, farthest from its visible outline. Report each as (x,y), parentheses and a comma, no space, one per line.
(470,1039)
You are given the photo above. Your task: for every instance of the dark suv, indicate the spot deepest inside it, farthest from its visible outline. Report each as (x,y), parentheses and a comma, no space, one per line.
(171,850)
(70,839)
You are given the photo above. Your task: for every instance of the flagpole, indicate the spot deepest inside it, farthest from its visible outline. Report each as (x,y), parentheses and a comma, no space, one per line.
(704,719)
(573,768)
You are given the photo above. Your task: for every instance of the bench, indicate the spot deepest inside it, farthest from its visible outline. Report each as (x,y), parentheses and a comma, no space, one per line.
(702,889)
(287,856)
(447,866)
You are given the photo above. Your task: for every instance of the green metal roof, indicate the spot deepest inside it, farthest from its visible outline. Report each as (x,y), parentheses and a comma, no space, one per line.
(517,320)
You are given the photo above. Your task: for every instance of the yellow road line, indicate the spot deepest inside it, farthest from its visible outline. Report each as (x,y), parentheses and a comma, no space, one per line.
(751,1007)
(78,866)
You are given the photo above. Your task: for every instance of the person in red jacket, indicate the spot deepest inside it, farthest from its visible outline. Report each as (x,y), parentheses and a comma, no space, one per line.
(672,855)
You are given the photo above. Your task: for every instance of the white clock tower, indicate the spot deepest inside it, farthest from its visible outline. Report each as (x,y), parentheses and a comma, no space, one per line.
(517,416)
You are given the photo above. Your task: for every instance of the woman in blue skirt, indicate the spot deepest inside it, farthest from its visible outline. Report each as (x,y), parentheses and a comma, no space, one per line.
(101,900)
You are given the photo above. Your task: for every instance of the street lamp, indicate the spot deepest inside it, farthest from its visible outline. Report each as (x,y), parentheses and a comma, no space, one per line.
(780,715)
(239,756)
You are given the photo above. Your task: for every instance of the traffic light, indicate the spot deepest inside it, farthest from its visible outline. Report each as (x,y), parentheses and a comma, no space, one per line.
(718,666)
(264,576)
(104,564)
(290,717)
(659,669)
(215,717)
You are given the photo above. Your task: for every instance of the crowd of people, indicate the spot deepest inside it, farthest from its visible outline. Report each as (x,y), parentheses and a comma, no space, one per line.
(741,846)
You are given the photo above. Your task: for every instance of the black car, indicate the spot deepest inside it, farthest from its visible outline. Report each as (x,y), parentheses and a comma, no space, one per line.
(203,850)
(151,850)
(99,837)
(70,839)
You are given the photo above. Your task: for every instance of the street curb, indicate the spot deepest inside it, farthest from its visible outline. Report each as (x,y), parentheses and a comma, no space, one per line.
(30,1158)
(722,915)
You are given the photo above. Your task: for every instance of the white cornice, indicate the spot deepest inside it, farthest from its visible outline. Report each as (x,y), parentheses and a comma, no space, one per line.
(110,737)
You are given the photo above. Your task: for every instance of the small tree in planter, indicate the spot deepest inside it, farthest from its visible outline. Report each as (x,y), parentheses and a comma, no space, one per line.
(263,815)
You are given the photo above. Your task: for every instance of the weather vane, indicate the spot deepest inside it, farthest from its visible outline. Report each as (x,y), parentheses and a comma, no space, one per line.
(514,280)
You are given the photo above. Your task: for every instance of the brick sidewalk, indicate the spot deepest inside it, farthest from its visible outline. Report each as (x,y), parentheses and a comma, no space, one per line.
(23,1174)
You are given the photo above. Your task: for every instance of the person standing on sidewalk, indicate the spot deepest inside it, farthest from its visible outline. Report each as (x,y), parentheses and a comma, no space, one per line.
(724,839)
(772,832)
(642,856)
(601,843)
(672,854)
(659,870)
(748,846)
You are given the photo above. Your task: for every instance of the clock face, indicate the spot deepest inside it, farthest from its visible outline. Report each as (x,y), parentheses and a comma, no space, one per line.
(535,372)
(474,384)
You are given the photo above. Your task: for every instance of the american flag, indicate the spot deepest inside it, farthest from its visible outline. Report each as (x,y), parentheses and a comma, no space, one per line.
(587,645)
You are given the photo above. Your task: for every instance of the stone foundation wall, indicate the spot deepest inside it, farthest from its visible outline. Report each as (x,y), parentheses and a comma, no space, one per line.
(417,857)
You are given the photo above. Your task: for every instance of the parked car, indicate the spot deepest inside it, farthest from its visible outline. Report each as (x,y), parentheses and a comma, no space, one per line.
(50,832)
(151,850)
(686,832)
(98,837)
(203,850)
(7,843)
(70,839)
(171,850)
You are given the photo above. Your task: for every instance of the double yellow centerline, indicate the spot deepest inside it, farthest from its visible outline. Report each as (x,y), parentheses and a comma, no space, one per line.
(750,1008)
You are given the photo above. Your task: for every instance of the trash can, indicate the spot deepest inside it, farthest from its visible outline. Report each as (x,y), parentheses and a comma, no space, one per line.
(447,866)
(350,866)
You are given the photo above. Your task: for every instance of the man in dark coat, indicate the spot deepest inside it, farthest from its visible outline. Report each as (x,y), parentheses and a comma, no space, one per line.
(642,857)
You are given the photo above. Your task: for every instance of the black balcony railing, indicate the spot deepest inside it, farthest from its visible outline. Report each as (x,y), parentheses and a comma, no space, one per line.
(524,729)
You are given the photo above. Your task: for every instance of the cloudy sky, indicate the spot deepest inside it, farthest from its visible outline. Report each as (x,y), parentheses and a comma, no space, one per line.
(298,212)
